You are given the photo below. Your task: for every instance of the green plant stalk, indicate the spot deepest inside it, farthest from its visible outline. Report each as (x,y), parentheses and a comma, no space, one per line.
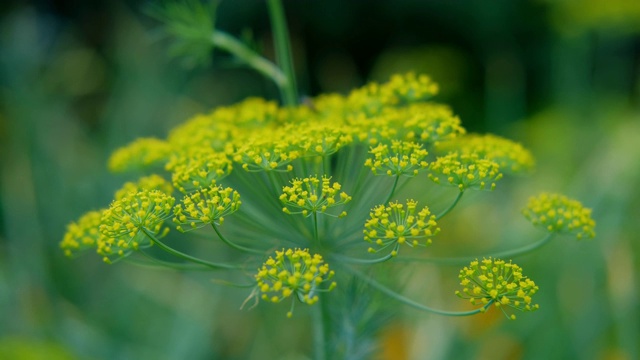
(501,255)
(234,245)
(265,67)
(393,189)
(182,255)
(319,338)
(412,303)
(283,52)
(447,210)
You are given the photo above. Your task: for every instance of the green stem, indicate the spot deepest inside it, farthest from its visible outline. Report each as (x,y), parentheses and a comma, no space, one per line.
(412,303)
(160,264)
(283,51)
(319,339)
(362,261)
(232,45)
(315,227)
(393,189)
(503,254)
(182,255)
(447,210)
(233,245)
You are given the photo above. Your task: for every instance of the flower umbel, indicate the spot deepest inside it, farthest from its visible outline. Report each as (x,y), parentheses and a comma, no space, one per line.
(401,158)
(82,234)
(312,195)
(125,223)
(151,182)
(205,206)
(294,272)
(393,224)
(499,282)
(466,171)
(558,213)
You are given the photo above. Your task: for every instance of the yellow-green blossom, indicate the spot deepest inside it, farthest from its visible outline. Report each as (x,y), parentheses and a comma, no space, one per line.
(400,158)
(509,155)
(294,272)
(125,223)
(151,182)
(206,206)
(558,213)
(199,169)
(394,225)
(429,123)
(82,234)
(139,154)
(311,195)
(466,171)
(499,282)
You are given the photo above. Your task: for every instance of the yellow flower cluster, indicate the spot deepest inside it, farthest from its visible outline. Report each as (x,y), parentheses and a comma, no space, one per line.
(198,169)
(82,234)
(401,158)
(205,206)
(294,272)
(510,156)
(139,154)
(394,225)
(499,282)
(125,224)
(466,171)
(151,182)
(558,213)
(312,195)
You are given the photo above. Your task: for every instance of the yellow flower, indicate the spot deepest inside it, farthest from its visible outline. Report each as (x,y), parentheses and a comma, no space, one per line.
(394,225)
(206,206)
(294,272)
(558,213)
(139,154)
(312,195)
(466,171)
(82,234)
(125,223)
(499,282)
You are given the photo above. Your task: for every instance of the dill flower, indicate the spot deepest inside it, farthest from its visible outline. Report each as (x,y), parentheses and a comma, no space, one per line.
(404,158)
(294,272)
(466,171)
(198,169)
(312,195)
(139,154)
(394,225)
(82,234)
(125,224)
(205,206)
(429,123)
(511,156)
(558,213)
(266,151)
(499,282)
(151,182)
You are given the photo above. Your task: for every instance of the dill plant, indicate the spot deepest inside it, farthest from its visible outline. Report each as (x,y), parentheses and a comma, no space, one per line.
(312,189)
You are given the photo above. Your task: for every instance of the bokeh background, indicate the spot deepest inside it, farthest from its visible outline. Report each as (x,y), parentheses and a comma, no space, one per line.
(79,79)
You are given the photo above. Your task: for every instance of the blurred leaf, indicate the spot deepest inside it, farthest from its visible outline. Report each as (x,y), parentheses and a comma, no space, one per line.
(190,24)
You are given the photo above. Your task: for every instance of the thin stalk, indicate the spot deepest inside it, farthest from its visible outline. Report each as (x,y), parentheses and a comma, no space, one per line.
(501,255)
(315,227)
(447,210)
(393,189)
(182,255)
(265,67)
(412,303)
(283,51)
(233,245)
(160,264)
(363,261)
(319,339)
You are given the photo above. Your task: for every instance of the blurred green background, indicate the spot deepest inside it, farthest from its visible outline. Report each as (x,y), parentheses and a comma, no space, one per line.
(80,78)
